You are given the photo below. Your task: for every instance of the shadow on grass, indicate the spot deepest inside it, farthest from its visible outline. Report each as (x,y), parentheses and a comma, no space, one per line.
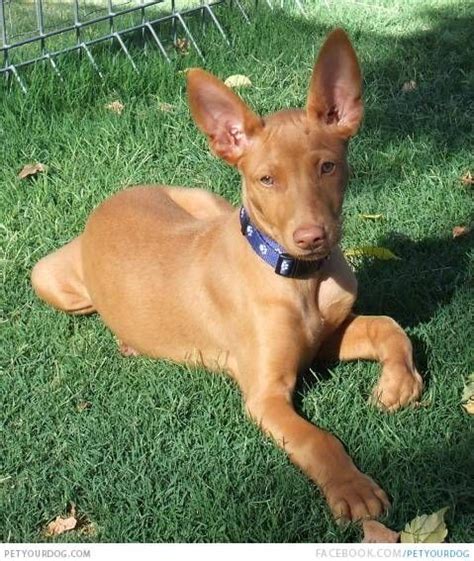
(439,58)
(442,267)
(413,289)
(446,472)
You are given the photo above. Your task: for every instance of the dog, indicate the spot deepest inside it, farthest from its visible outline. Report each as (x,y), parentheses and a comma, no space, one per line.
(260,291)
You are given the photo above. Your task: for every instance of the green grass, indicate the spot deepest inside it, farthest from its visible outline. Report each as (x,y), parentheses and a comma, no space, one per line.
(165,453)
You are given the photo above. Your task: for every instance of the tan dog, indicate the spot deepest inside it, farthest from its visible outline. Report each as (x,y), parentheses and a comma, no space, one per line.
(171,274)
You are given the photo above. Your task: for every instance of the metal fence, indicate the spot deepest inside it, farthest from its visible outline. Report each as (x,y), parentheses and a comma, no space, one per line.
(33,31)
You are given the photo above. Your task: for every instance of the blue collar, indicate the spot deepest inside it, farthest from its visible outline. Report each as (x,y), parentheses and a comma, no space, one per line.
(274,254)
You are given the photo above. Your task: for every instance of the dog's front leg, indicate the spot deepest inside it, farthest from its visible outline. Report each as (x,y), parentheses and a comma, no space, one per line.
(351,495)
(378,338)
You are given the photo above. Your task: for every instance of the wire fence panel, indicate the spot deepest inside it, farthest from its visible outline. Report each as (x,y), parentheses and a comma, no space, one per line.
(33,31)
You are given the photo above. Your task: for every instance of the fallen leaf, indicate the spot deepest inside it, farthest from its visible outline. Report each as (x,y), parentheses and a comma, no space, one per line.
(115,106)
(31,169)
(83,406)
(371,216)
(60,525)
(409,86)
(371,251)
(467,178)
(165,107)
(427,528)
(459,231)
(469,406)
(467,399)
(88,529)
(468,392)
(238,81)
(376,532)
(182,45)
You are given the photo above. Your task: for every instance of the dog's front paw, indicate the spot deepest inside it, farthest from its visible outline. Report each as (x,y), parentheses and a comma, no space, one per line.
(397,387)
(355,498)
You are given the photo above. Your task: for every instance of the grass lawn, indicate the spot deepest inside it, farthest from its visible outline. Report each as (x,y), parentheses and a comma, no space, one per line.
(151,451)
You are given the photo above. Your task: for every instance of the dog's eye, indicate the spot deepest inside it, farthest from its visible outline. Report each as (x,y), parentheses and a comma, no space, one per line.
(327,167)
(266,180)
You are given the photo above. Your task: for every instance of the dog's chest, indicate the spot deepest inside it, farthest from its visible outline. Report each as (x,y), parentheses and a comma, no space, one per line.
(311,321)
(303,318)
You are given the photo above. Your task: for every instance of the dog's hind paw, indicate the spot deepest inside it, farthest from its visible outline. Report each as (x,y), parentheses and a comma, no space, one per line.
(126,350)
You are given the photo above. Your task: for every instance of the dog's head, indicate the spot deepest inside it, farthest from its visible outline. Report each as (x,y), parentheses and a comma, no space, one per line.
(293,163)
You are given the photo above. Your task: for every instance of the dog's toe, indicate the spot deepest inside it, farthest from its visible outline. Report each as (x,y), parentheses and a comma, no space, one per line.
(396,389)
(357,498)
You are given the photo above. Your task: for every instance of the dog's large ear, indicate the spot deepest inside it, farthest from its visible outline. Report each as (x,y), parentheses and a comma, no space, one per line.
(221,115)
(335,90)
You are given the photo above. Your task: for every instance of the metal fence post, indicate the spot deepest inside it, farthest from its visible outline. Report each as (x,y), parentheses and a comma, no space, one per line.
(3,31)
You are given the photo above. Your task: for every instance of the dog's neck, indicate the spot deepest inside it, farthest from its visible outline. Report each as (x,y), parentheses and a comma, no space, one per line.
(274,254)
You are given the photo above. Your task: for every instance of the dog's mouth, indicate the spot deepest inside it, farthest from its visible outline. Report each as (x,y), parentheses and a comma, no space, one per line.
(312,255)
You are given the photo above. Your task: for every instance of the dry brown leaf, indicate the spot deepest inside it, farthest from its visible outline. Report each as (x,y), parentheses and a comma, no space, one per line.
(165,107)
(182,45)
(422,404)
(468,392)
(83,406)
(467,178)
(409,86)
(469,406)
(459,231)
(376,532)
(371,216)
(238,81)
(468,395)
(29,170)
(115,106)
(371,251)
(88,529)
(427,528)
(60,525)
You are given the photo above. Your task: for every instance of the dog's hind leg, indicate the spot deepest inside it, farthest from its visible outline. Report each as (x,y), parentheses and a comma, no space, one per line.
(58,280)
(199,203)
(378,338)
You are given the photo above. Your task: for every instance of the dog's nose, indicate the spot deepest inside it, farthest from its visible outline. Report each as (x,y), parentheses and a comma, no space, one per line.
(309,237)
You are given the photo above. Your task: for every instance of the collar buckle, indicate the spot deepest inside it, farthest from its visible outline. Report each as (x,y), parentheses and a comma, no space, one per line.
(286,266)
